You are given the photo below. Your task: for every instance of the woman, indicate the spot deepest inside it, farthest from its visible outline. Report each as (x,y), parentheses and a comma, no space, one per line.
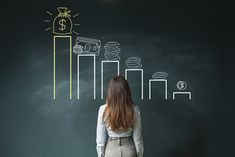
(121,120)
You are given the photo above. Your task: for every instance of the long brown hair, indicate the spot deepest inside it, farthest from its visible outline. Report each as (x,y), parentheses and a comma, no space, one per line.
(119,112)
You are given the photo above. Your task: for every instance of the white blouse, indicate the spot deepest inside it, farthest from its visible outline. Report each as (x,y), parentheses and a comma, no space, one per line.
(102,130)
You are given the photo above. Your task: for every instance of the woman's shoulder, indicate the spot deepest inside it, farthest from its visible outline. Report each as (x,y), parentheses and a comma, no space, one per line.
(102,108)
(137,110)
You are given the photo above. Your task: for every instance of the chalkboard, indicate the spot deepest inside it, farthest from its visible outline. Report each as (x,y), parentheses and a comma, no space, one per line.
(41,112)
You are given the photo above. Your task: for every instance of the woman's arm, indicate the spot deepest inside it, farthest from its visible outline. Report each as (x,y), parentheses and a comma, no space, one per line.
(137,134)
(100,133)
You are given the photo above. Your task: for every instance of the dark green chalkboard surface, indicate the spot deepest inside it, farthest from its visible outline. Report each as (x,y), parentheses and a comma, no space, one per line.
(179,38)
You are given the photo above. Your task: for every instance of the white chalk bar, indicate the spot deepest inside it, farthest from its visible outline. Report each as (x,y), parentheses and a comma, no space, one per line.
(70,64)
(78,72)
(182,93)
(142,79)
(102,74)
(157,80)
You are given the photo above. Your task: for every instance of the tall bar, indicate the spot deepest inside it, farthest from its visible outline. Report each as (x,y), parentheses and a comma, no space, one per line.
(78,72)
(157,80)
(102,74)
(70,64)
(142,79)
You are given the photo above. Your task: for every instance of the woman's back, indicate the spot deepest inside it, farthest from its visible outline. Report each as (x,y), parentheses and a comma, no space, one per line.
(112,133)
(120,119)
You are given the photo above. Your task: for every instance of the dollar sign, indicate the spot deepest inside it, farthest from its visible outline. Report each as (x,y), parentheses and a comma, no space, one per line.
(62,24)
(182,85)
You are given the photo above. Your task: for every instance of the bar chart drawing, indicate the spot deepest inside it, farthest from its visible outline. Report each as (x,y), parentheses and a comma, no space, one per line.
(78,73)
(182,93)
(70,64)
(157,80)
(111,55)
(61,25)
(142,79)
(102,74)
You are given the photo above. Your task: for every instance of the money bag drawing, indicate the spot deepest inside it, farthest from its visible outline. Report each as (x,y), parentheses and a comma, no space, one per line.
(62,23)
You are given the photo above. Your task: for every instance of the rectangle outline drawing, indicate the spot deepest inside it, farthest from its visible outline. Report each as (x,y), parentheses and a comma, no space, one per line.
(102,74)
(142,79)
(157,80)
(70,64)
(189,94)
(78,71)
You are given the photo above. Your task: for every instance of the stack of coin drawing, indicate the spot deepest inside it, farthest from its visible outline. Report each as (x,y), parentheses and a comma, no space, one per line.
(112,51)
(159,75)
(134,63)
